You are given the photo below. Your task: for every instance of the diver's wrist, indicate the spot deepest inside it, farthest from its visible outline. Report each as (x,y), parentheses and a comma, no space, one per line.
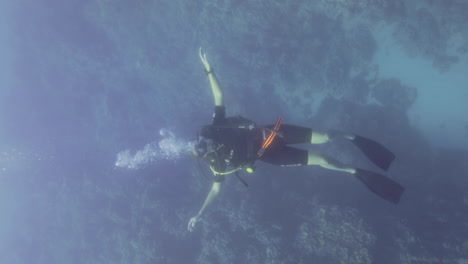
(198,217)
(209,71)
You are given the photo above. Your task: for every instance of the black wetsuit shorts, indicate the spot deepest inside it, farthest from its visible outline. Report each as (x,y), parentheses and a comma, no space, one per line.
(279,153)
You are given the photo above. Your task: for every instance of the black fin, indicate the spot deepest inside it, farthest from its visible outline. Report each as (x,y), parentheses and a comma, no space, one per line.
(381,185)
(375,152)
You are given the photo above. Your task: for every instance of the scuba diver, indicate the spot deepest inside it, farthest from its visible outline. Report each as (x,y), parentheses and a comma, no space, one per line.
(231,144)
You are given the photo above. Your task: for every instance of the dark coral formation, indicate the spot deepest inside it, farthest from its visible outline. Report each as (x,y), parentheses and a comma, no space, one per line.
(393,93)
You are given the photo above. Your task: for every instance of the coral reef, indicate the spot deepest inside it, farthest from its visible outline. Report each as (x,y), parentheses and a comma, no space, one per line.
(393,93)
(339,234)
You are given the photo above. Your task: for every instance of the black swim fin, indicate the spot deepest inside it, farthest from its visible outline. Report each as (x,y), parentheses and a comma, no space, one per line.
(381,185)
(375,152)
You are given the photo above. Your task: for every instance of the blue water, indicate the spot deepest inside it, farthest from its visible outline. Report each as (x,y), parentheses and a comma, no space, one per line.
(100,99)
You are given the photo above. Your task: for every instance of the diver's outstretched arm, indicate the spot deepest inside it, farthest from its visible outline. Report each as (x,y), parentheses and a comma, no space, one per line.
(217,93)
(209,199)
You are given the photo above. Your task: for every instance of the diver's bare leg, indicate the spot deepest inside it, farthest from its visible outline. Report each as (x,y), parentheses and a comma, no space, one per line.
(316,158)
(320,138)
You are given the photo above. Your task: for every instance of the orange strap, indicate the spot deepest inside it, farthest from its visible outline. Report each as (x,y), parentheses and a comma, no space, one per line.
(270,137)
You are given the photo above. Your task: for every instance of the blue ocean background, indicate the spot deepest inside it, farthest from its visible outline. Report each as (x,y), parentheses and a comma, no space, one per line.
(99,100)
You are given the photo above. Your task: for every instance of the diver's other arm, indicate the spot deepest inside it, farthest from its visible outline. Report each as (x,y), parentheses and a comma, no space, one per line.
(217,93)
(209,199)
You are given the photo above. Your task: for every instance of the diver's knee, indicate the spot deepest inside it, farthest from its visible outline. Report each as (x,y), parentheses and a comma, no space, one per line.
(319,138)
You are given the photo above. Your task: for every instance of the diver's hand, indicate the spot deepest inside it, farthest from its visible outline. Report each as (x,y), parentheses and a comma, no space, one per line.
(204,60)
(193,221)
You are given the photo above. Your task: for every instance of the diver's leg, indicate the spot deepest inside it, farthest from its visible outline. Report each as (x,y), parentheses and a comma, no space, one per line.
(292,134)
(290,156)
(376,152)
(335,134)
(316,158)
(379,184)
(319,138)
(384,187)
